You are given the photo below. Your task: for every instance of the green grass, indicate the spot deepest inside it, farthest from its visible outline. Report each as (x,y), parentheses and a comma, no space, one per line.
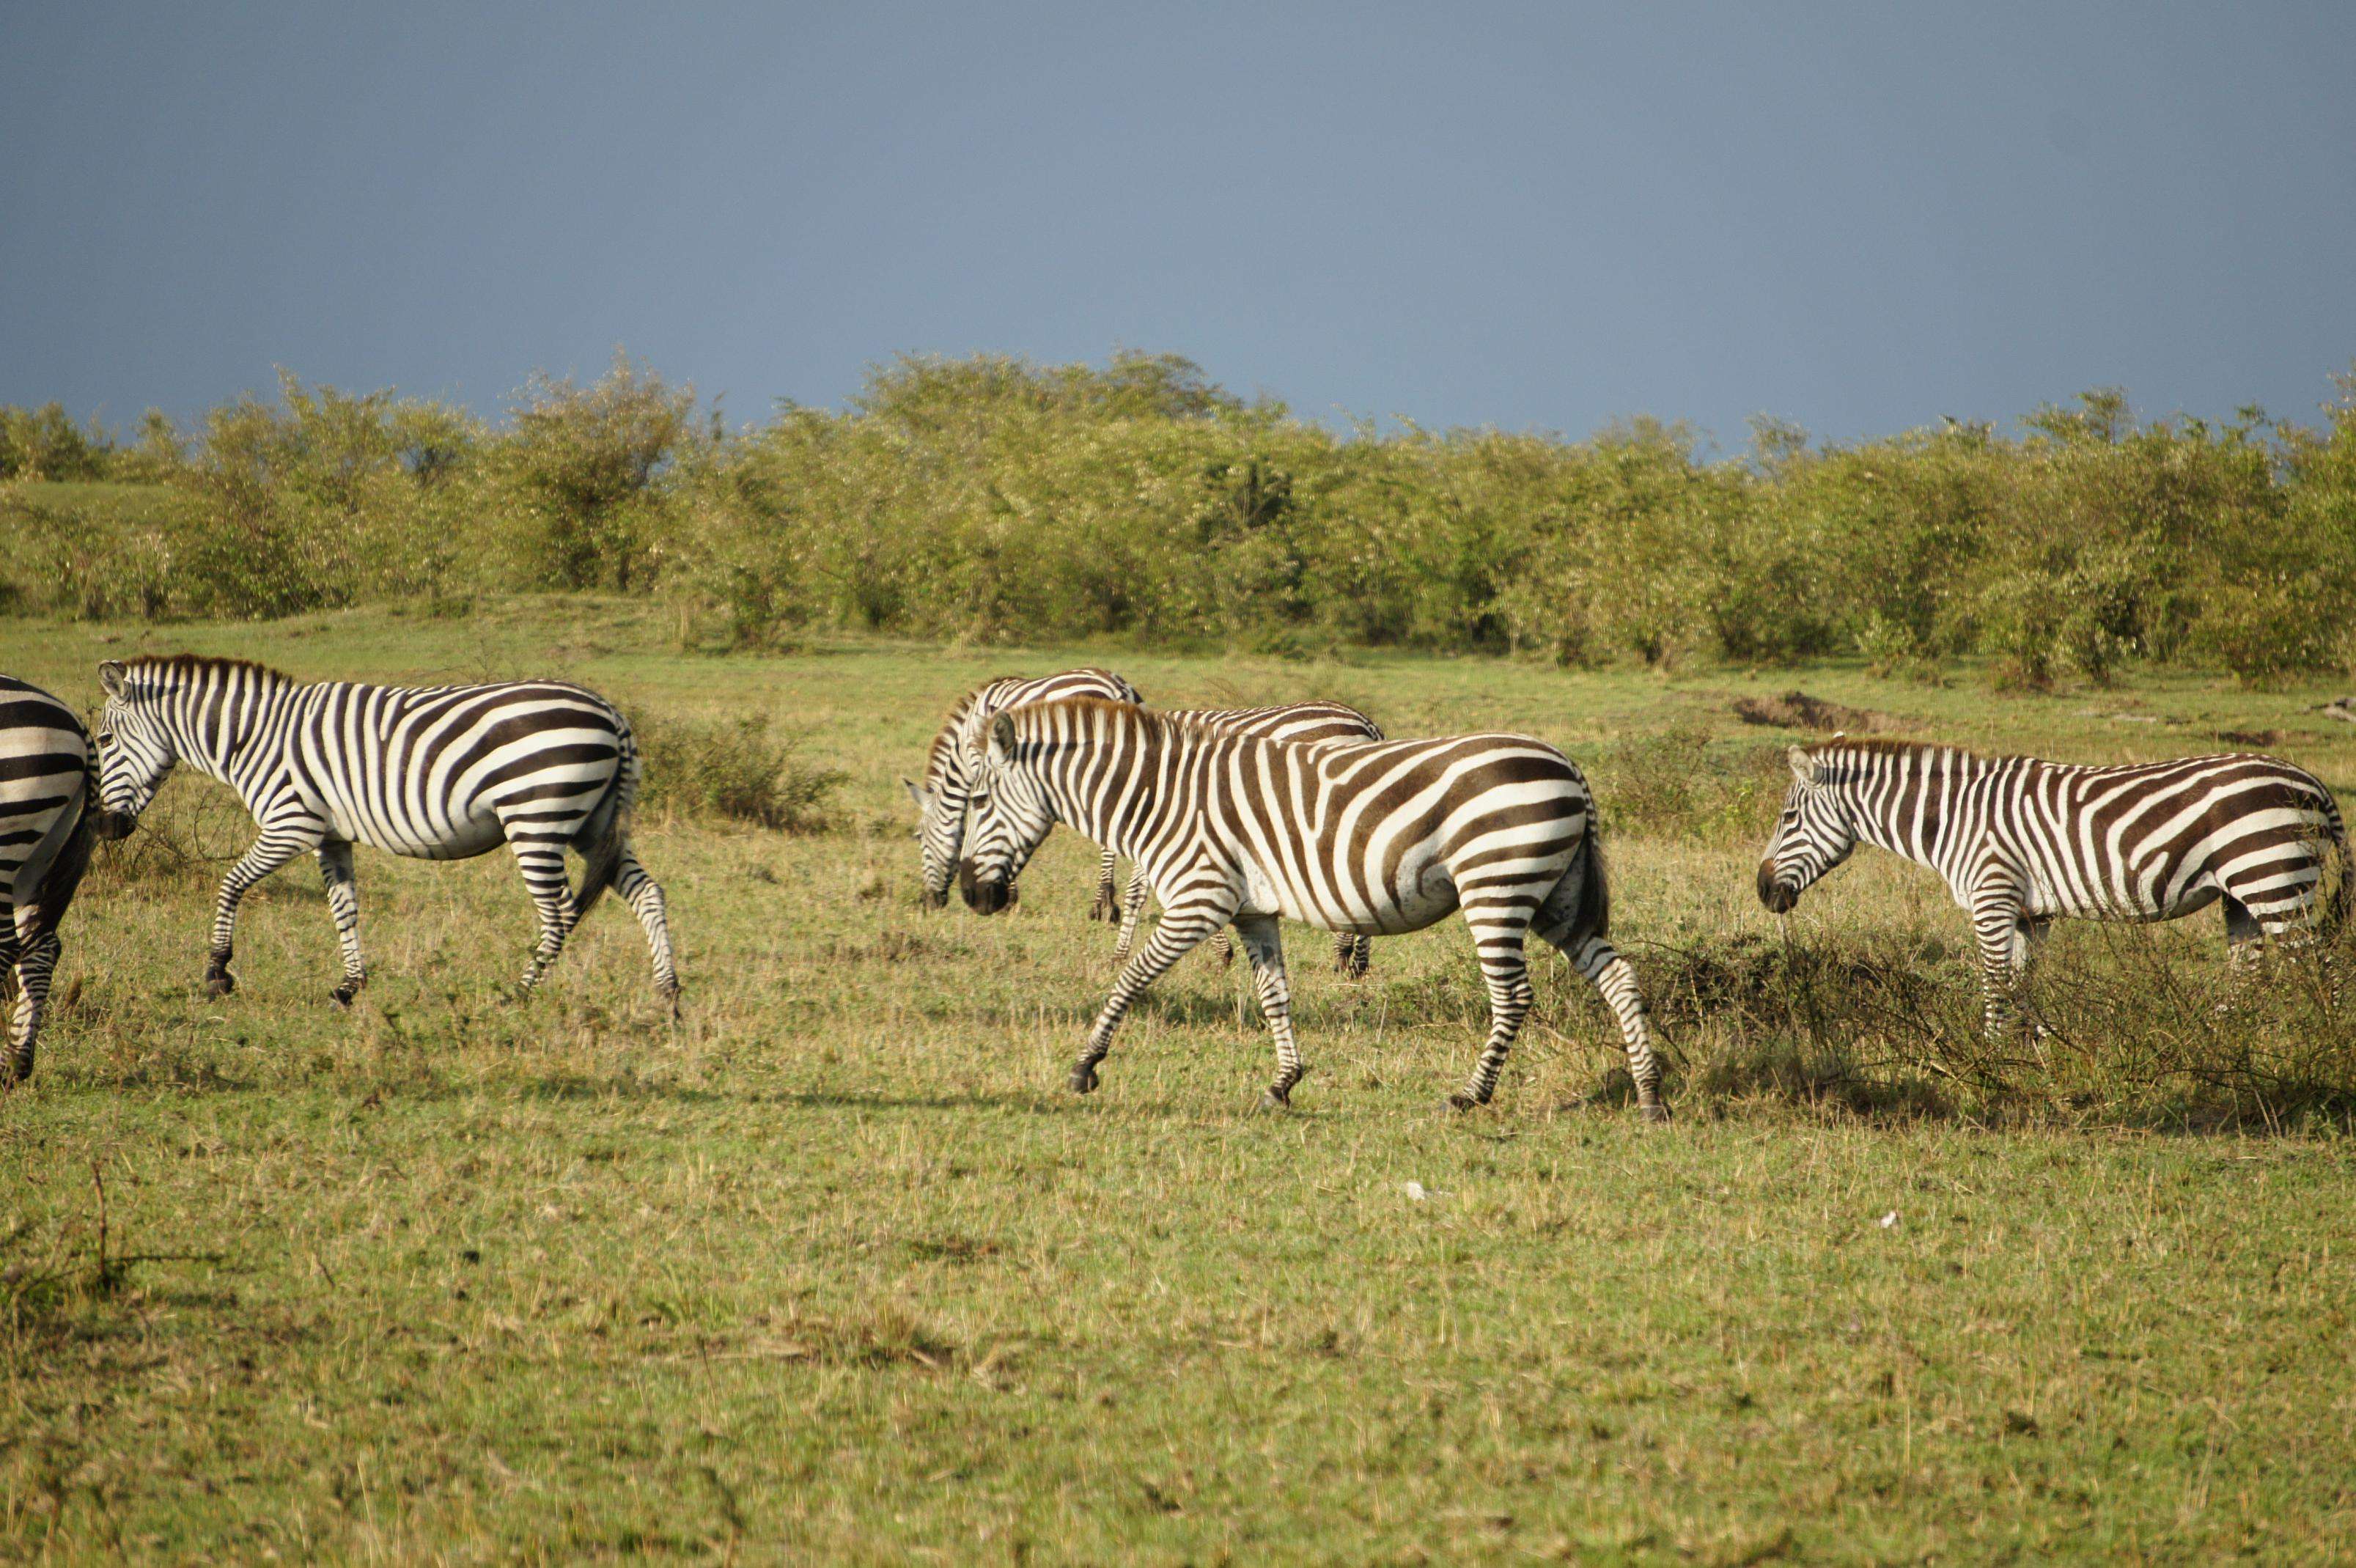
(838,1269)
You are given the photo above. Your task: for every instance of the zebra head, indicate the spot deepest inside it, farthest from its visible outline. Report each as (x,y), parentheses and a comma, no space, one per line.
(135,747)
(1011,816)
(1815,832)
(940,832)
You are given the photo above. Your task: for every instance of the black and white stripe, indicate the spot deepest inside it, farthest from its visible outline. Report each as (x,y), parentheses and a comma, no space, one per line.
(2022,843)
(48,816)
(955,755)
(438,773)
(1373,838)
(1304,723)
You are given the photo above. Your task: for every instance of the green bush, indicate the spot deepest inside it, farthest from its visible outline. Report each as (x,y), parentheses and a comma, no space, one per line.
(990,500)
(735,771)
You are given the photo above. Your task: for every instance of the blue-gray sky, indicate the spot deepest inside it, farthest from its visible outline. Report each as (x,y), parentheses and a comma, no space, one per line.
(1857,217)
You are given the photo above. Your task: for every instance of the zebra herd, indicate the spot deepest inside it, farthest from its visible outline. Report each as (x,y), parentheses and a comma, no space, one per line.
(1230,817)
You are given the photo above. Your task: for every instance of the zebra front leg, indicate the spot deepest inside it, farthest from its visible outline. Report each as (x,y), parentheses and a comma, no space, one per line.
(344,904)
(1133,911)
(1179,928)
(645,896)
(1996,915)
(1108,905)
(1265,947)
(279,843)
(31,968)
(1351,954)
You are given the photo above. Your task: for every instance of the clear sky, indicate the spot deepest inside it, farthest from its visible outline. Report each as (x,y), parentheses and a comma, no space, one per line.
(1857,217)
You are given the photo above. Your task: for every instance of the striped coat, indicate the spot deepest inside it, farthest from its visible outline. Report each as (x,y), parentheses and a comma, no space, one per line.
(1372,838)
(950,762)
(2022,842)
(438,773)
(47,817)
(1300,724)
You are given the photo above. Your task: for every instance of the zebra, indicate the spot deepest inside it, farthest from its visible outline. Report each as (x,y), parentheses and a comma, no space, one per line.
(1376,837)
(948,777)
(48,816)
(436,773)
(2022,841)
(1301,724)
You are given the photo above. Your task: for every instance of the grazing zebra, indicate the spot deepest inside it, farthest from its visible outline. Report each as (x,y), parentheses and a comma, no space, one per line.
(949,774)
(437,773)
(2022,841)
(1301,724)
(47,817)
(1375,837)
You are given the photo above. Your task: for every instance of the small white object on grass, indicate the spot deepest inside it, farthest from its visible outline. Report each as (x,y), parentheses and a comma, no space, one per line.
(1416,1193)
(1890,1219)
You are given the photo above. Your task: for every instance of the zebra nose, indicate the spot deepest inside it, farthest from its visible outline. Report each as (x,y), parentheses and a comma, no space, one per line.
(112,825)
(1778,897)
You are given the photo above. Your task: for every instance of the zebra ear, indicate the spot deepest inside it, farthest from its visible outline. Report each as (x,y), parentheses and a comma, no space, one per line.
(111,674)
(1001,732)
(1803,767)
(918,793)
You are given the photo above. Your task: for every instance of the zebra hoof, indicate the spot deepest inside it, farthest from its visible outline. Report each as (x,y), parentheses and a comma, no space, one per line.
(1084,1079)
(1273,1099)
(220,981)
(1655,1113)
(1459,1101)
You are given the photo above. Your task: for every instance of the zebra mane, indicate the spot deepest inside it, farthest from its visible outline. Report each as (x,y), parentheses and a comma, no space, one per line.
(198,664)
(1863,752)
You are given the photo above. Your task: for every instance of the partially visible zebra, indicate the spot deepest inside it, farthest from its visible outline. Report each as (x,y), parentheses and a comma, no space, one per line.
(1302,724)
(949,776)
(49,814)
(1376,837)
(2022,841)
(437,773)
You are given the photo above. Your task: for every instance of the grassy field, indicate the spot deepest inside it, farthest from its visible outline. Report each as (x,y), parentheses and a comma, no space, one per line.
(838,1269)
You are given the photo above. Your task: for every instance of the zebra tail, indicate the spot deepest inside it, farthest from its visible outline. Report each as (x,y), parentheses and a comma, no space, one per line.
(65,850)
(607,833)
(2338,854)
(1594,916)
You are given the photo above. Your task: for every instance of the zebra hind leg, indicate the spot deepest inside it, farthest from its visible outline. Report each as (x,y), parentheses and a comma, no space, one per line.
(645,896)
(1265,947)
(32,971)
(1351,954)
(1615,979)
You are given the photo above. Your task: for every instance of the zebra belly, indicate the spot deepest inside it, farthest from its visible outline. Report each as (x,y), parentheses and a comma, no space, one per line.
(461,840)
(1431,899)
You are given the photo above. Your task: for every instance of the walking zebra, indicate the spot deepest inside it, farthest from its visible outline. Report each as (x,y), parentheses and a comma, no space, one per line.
(1301,724)
(1373,837)
(2022,841)
(49,814)
(437,773)
(950,768)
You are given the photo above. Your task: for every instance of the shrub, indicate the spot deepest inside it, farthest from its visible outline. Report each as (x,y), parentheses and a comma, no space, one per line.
(733,771)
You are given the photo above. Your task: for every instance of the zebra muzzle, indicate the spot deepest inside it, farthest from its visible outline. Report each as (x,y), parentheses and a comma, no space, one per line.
(984,895)
(1779,896)
(112,825)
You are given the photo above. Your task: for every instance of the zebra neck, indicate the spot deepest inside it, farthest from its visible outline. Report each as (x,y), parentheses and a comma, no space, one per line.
(1114,806)
(213,731)
(1908,804)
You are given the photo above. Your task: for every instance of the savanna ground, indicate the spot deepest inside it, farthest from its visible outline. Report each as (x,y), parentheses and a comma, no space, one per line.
(838,1269)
